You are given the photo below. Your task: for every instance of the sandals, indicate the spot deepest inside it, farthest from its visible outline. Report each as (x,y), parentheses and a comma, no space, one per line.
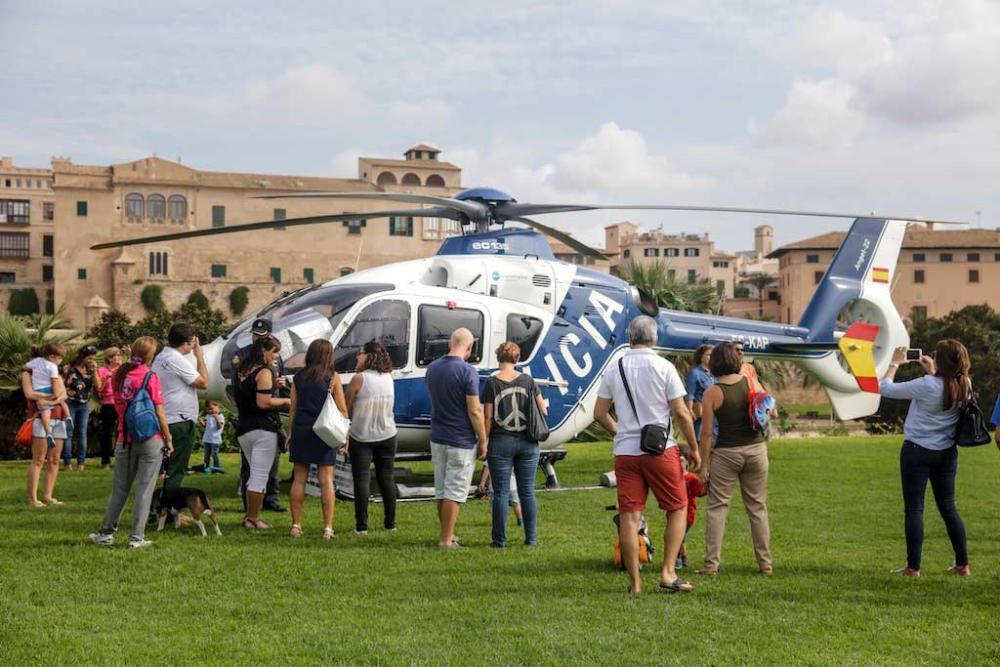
(52,501)
(677,586)
(36,503)
(296,530)
(255,524)
(328,533)
(707,572)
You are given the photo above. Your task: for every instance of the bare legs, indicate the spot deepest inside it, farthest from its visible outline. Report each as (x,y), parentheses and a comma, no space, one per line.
(673,538)
(630,548)
(42,456)
(448,515)
(326,493)
(297,496)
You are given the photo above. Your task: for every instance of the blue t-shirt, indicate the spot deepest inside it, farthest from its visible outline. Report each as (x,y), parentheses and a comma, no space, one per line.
(995,419)
(698,380)
(449,381)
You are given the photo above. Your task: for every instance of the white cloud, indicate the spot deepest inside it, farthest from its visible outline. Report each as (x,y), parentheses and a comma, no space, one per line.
(815,114)
(311,91)
(425,112)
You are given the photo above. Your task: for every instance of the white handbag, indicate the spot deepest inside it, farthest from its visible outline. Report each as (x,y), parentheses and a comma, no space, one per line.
(332,426)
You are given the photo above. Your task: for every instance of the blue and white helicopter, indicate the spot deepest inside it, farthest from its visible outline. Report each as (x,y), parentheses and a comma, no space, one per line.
(506,284)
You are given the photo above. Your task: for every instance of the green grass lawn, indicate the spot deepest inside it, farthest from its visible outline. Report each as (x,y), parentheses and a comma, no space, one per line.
(836,517)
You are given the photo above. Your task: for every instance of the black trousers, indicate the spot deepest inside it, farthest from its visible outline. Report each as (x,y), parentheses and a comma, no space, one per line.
(271,493)
(109,430)
(917,466)
(384,455)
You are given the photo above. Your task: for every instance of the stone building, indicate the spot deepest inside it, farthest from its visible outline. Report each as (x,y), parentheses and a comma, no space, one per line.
(939,271)
(27,229)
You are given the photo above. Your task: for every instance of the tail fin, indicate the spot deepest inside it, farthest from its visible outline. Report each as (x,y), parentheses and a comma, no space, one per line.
(856,290)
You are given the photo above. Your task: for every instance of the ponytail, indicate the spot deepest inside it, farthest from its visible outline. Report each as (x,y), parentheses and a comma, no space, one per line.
(143,350)
(954,369)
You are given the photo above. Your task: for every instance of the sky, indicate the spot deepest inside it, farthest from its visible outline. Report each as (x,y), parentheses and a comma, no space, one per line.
(884,106)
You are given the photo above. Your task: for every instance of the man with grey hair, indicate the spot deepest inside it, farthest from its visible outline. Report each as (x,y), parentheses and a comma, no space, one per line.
(646,390)
(456,429)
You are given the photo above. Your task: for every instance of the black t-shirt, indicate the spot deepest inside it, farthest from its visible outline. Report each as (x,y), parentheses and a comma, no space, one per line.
(511,403)
(251,417)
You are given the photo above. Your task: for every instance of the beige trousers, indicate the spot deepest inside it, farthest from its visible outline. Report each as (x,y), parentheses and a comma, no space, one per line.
(748,466)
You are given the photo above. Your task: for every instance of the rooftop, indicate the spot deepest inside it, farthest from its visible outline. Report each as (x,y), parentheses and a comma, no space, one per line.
(424,164)
(914,238)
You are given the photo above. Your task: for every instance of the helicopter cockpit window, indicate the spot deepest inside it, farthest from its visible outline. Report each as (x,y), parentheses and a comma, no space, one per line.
(525,331)
(385,321)
(647,304)
(434,327)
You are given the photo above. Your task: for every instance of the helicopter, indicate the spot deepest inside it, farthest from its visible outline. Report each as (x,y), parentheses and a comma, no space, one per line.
(569,321)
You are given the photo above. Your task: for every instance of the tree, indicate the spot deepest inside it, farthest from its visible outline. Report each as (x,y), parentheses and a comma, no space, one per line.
(239,299)
(655,280)
(23,301)
(152,299)
(759,281)
(208,323)
(114,329)
(976,327)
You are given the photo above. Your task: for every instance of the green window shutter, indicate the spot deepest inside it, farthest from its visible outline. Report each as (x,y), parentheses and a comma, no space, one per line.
(81,274)
(218,216)
(276,275)
(218,270)
(81,209)
(307,273)
(280,214)
(409,226)
(692,277)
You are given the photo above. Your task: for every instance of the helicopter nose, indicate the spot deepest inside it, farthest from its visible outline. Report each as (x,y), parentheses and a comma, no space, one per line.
(216,390)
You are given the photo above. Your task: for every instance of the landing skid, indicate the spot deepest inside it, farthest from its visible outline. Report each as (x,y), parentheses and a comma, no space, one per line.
(547,461)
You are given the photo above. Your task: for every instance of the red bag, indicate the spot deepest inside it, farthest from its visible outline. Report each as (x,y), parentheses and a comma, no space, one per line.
(24,433)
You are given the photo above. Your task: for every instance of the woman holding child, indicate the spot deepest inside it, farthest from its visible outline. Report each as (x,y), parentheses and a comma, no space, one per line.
(929,451)
(310,389)
(738,453)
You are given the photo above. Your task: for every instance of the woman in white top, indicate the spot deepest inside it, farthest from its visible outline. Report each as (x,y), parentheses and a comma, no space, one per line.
(370,398)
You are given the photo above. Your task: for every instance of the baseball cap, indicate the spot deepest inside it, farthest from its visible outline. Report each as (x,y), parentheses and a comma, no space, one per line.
(261,326)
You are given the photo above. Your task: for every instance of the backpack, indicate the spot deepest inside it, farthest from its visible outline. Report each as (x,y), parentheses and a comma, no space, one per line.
(141,420)
(760,404)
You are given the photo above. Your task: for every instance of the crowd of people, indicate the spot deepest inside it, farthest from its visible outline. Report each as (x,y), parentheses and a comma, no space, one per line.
(641,401)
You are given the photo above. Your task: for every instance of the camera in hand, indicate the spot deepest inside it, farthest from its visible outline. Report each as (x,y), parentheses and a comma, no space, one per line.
(914,354)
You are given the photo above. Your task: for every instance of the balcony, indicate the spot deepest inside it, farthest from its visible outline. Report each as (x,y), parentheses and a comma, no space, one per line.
(15,212)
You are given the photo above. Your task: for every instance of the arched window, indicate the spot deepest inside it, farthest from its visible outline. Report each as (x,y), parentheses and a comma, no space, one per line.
(411,179)
(177,207)
(134,205)
(157,206)
(434,181)
(386,178)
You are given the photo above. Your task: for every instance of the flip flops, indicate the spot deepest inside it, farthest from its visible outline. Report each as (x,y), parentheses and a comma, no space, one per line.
(677,586)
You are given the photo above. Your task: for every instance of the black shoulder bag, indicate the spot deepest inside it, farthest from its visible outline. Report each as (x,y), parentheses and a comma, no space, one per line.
(538,427)
(971,430)
(653,438)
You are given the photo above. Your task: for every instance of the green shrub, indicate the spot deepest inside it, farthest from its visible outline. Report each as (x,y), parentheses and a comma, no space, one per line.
(152,299)
(198,299)
(114,328)
(239,299)
(23,301)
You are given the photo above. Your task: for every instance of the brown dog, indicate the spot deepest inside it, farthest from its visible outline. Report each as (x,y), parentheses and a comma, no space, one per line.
(175,501)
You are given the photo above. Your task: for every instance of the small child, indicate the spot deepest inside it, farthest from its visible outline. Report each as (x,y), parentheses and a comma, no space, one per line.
(44,367)
(486,492)
(214,421)
(695,489)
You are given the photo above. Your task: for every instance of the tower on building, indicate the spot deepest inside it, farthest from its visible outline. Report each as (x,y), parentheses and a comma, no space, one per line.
(763,240)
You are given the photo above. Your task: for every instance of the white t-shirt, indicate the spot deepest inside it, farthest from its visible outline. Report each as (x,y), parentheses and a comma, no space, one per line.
(176,373)
(213,428)
(654,383)
(43,372)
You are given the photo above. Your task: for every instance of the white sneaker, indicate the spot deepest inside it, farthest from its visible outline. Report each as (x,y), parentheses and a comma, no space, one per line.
(102,539)
(139,544)
(359,532)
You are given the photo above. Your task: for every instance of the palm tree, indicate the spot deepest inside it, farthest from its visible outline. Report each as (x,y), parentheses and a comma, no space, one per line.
(17,335)
(656,280)
(760,281)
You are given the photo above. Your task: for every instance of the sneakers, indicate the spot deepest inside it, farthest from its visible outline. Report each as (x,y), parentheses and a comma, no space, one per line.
(359,532)
(960,570)
(50,440)
(906,571)
(102,539)
(138,544)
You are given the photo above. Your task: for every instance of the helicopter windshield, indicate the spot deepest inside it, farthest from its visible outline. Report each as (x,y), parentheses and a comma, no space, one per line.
(302,317)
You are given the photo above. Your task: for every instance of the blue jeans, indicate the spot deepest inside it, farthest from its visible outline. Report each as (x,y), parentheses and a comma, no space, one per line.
(80,413)
(212,453)
(509,453)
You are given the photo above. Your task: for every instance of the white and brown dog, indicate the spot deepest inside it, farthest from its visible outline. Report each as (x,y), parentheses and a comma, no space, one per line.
(175,501)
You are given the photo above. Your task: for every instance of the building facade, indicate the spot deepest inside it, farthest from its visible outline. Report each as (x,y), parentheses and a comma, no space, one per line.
(688,257)
(939,271)
(27,229)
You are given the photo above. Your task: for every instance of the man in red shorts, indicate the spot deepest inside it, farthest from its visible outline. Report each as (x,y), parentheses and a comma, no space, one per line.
(658,394)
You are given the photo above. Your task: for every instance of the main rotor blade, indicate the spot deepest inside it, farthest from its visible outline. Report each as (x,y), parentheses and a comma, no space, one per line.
(471,209)
(511,209)
(431,212)
(579,246)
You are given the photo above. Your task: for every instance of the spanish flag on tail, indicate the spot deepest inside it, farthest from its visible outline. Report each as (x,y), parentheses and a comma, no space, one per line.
(857,346)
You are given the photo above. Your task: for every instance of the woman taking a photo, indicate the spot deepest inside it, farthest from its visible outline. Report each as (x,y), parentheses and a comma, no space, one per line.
(81,379)
(370,399)
(310,387)
(507,400)
(929,451)
(109,418)
(258,424)
(737,454)
(135,462)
